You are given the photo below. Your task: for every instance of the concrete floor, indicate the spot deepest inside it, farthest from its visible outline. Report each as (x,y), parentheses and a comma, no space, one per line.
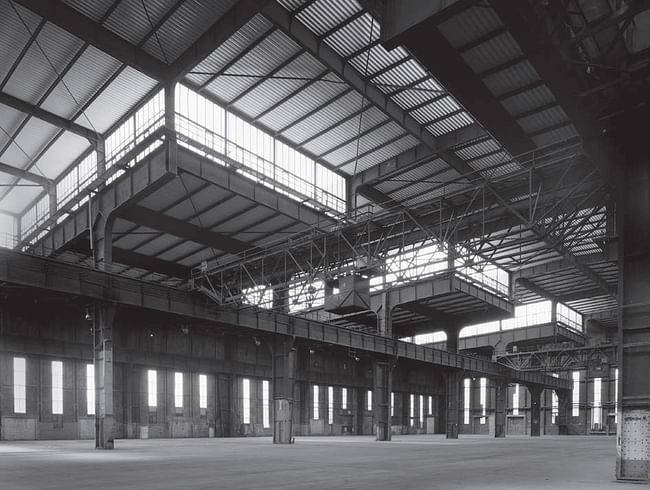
(408,462)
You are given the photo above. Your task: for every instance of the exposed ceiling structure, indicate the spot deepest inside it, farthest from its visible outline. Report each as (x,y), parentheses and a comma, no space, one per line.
(490,140)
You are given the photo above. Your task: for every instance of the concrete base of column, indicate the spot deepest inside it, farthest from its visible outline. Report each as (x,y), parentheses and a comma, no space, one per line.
(283,423)
(501,394)
(632,452)
(453,380)
(105,432)
(382,432)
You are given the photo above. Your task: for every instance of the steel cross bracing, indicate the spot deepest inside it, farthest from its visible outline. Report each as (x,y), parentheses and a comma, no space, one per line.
(293,27)
(561,358)
(369,245)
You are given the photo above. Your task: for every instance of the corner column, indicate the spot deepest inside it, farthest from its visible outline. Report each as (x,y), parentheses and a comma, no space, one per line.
(284,374)
(381,400)
(633,216)
(500,409)
(103,360)
(563,409)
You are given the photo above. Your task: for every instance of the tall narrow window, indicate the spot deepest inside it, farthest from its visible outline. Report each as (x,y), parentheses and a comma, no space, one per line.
(515,400)
(483,398)
(20,392)
(90,389)
(316,404)
(598,385)
(369,400)
(266,413)
(57,387)
(203,391)
(246,400)
(421,410)
(330,405)
(344,398)
(555,403)
(392,403)
(616,395)
(430,405)
(152,388)
(178,390)
(411,409)
(466,401)
(575,408)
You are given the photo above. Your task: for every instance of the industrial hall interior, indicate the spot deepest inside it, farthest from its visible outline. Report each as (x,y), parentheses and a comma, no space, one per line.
(324,244)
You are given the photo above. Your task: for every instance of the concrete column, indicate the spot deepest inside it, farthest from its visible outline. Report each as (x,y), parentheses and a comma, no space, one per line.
(633,213)
(535,409)
(381,400)
(103,350)
(452,338)
(384,317)
(453,391)
(284,374)
(500,407)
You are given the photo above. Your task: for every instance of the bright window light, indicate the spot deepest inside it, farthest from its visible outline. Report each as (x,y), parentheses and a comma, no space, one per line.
(598,385)
(57,387)
(178,390)
(20,395)
(246,400)
(203,391)
(344,398)
(392,403)
(90,389)
(152,388)
(483,398)
(369,400)
(266,415)
(515,400)
(412,409)
(575,408)
(466,401)
(316,404)
(421,409)
(330,405)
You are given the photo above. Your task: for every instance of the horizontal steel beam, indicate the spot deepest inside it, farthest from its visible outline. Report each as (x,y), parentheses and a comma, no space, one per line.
(49,117)
(27,175)
(42,273)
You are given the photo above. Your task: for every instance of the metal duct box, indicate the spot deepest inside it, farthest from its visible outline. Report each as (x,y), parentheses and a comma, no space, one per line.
(353,295)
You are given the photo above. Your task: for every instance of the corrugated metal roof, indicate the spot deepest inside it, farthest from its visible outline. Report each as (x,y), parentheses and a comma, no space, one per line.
(328,116)
(377,58)
(451,123)
(36,73)
(31,139)
(10,119)
(516,76)
(354,36)
(301,104)
(13,34)
(528,100)
(274,90)
(367,143)
(83,80)
(291,5)
(346,130)
(435,110)
(185,26)
(254,29)
(323,15)
(381,154)
(64,150)
(543,119)
(477,149)
(128,88)
(131,21)
(418,94)
(95,9)
(492,53)
(402,75)
(267,55)
(555,135)
(17,199)
(470,24)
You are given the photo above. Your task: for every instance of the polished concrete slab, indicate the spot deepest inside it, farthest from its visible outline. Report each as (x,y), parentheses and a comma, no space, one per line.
(354,462)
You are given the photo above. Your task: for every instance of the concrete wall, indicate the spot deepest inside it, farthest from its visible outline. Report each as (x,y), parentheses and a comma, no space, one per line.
(55,330)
